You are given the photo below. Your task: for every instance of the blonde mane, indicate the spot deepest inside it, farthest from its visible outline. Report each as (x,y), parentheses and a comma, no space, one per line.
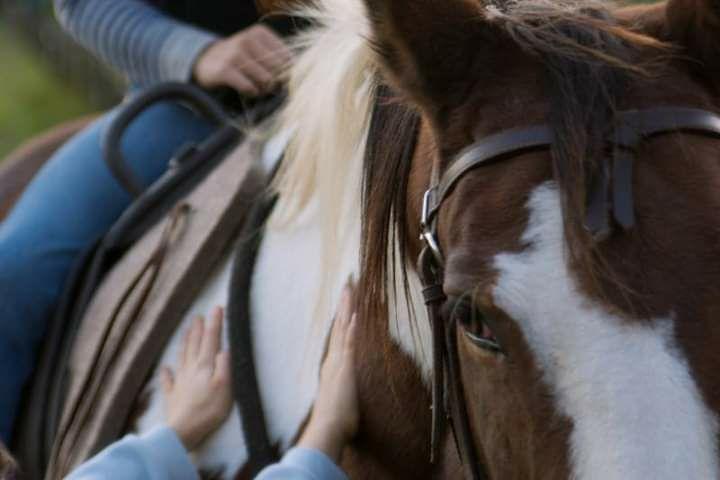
(331,86)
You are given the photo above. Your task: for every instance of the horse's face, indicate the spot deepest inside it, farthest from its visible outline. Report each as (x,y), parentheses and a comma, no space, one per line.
(608,364)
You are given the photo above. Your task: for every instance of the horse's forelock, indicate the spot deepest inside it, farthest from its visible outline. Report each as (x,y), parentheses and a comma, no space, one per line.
(590,60)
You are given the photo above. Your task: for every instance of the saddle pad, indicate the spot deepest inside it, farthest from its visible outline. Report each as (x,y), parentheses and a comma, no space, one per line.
(129,347)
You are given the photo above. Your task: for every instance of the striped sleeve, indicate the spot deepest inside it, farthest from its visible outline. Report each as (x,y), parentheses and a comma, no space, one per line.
(143,43)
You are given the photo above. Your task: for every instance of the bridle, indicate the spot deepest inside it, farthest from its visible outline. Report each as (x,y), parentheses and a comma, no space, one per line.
(609,203)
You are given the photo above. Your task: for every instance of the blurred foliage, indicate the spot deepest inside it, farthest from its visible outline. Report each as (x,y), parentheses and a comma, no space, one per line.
(33,98)
(46,78)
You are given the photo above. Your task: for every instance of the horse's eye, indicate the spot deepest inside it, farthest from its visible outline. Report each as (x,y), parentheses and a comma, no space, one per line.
(475,325)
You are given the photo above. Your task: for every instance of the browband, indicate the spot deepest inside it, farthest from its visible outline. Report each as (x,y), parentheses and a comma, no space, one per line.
(633,126)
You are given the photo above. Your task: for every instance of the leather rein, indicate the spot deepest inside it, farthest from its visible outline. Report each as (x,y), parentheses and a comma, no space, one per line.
(609,203)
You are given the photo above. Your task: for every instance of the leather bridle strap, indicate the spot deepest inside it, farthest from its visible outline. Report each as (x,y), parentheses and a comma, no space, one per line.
(489,149)
(636,126)
(434,296)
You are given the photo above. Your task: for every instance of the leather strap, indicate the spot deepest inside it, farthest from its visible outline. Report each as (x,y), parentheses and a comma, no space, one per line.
(653,121)
(489,149)
(460,419)
(636,126)
(172,91)
(434,296)
(246,389)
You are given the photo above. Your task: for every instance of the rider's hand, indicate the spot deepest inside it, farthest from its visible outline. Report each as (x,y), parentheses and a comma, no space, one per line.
(8,466)
(248,61)
(335,416)
(198,395)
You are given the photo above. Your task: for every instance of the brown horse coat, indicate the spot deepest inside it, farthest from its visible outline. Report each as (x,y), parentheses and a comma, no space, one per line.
(21,165)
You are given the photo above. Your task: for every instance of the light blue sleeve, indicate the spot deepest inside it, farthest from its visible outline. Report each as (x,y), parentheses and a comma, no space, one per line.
(303,464)
(143,43)
(157,455)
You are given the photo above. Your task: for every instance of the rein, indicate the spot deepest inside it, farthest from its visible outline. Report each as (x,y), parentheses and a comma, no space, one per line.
(612,194)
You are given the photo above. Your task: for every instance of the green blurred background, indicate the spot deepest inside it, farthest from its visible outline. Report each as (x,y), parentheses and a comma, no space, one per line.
(45,78)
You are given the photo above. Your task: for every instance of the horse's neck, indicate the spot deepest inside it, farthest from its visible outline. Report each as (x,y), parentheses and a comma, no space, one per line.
(394,396)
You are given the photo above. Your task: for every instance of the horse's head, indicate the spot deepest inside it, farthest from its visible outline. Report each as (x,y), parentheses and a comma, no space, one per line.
(581,355)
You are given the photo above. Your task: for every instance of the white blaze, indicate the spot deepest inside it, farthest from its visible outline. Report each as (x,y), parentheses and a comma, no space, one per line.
(637,413)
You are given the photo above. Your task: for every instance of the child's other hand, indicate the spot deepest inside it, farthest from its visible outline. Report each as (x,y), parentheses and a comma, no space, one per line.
(198,396)
(335,416)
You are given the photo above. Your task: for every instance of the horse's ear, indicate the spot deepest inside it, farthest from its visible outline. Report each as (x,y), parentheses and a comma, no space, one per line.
(431,48)
(695,26)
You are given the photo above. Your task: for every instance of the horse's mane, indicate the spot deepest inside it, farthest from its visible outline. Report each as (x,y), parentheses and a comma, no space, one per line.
(389,154)
(333,91)
(331,85)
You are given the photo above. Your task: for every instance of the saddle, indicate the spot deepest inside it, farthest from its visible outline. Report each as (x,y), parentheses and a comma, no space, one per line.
(131,290)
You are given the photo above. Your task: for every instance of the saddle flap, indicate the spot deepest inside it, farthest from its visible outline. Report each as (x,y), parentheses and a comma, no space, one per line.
(112,359)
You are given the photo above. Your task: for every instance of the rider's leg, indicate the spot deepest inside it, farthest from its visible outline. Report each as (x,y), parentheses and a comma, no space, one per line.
(72,201)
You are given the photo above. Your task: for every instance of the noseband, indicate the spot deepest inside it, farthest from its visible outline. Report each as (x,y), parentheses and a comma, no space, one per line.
(609,203)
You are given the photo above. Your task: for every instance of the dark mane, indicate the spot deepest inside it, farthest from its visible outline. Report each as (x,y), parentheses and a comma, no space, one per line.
(389,154)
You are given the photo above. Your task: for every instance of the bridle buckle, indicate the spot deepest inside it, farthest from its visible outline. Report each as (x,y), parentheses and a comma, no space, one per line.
(427,225)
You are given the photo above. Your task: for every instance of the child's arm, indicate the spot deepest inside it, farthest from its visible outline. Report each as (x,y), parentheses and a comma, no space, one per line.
(198,398)
(158,454)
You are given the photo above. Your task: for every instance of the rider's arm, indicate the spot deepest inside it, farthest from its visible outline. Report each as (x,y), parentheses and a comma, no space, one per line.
(142,42)
(158,454)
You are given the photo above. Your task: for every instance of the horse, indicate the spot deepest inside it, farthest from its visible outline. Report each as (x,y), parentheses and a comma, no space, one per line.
(311,245)
(562,208)
(21,165)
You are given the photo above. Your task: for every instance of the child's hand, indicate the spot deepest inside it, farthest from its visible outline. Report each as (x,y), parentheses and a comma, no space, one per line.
(335,416)
(198,397)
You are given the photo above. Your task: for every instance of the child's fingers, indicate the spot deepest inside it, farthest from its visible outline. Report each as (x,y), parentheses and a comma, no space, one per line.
(340,324)
(195,338)
(211,340)
(222,372)
(345,307)
(186,345)
(343,314)
(167,380)
(350,335)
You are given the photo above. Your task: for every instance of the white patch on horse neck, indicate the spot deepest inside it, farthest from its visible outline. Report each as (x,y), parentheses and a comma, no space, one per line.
(292,311)
(637,413)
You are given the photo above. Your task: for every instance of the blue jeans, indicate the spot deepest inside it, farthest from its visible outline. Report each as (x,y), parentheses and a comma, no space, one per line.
(72,201)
